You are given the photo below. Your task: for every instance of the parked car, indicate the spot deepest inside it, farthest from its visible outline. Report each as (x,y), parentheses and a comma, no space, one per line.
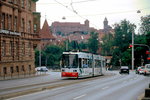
(140,70)
(124,69)
(41,69)
(147,69)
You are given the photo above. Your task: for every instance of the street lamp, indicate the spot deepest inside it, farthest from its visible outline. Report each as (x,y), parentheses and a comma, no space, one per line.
(133,46)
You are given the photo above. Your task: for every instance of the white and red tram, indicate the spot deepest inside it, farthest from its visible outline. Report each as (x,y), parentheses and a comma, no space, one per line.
(80,64)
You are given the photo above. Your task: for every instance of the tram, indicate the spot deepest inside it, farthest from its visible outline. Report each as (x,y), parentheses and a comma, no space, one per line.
(80,64)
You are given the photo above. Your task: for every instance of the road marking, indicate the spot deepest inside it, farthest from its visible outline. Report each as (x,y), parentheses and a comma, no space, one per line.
(105,87)
(79,96)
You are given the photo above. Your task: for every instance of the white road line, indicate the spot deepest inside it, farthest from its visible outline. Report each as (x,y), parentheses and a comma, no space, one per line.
(79,96)
(105,87)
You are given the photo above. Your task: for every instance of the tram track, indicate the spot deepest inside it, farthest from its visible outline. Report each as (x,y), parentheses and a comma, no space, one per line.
(27,89)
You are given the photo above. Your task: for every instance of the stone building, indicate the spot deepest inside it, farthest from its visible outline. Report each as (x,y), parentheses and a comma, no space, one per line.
(19,28)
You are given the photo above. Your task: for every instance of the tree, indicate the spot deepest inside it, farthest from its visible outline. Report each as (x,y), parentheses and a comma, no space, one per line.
(122,39)
(93,43)
(145,25)
(107,44)
(53,55)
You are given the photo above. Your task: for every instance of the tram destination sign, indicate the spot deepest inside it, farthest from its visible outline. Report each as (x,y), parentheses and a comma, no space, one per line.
(9,32)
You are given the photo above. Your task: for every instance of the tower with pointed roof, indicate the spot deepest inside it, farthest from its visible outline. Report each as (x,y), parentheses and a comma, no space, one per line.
(46,36)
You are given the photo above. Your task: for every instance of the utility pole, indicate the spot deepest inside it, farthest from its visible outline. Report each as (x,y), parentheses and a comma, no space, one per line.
(132,50)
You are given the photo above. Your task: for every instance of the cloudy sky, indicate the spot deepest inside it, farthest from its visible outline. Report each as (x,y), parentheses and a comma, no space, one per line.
(93,10)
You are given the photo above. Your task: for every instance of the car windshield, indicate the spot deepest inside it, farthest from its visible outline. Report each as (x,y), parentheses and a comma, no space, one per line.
(124,67)
(148,67)
(142,67)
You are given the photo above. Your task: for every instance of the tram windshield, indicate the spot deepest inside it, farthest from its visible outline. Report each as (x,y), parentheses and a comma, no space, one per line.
(69,61)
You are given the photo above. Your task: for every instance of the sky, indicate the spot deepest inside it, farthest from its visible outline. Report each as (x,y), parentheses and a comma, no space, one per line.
(93,10)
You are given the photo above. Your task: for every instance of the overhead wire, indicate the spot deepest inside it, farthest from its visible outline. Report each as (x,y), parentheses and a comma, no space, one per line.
(74,11)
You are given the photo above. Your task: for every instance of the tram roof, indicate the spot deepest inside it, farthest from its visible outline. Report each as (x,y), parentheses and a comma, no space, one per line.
(86,55)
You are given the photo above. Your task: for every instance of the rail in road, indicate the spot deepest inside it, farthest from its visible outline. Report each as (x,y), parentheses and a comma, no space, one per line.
(27,89)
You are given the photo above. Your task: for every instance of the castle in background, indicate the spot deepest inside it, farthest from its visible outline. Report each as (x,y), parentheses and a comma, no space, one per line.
(72,31)
(67,28)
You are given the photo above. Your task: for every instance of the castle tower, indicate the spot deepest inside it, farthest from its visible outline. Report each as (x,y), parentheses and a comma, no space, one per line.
(105,23)
(86,22)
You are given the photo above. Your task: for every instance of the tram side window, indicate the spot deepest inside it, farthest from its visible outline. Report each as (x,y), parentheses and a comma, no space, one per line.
(97,64)
(85,63)
(90,63)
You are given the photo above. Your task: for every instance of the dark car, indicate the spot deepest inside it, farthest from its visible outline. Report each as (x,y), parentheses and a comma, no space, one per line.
(124,69)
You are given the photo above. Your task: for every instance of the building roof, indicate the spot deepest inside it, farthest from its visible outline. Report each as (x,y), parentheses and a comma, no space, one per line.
(66,24)
(45,32)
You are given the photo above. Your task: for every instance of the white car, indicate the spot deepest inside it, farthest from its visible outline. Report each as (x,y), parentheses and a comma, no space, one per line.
(141,70)
(147,69)
(41,69)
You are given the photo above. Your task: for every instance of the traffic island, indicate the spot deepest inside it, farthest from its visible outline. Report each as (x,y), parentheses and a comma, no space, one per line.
(147,94)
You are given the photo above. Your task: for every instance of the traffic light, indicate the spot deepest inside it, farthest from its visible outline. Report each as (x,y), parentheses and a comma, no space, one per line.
(148,58)
(147,52)
(130,46)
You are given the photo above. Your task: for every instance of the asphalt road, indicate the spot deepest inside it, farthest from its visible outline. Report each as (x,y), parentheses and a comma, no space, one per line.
(116,87)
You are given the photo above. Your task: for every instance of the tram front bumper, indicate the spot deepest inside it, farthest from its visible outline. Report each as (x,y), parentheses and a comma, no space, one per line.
(69,74)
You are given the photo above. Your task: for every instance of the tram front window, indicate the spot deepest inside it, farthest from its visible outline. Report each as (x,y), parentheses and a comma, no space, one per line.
(69,61)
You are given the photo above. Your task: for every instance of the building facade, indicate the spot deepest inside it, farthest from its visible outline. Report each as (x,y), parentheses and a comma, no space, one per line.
(19,28)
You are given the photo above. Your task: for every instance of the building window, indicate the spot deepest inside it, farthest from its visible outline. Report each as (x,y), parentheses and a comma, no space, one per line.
(22,25)
(29,67)
(11,69)
(29,27)
(23,48)
(3,21)
(11,48)
(15,1)
(29,47)
(22,3)
(9,22)
(17,49)
(10,1)
(15,24)
(3,48)
(5,70)
(35,28)
(17,69)
(29,4)
(23,68)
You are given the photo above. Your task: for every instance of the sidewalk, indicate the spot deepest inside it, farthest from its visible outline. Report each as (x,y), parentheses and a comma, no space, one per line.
(22,76)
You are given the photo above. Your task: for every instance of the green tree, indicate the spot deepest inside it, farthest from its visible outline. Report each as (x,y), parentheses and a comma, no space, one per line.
(53,55)
(93,42)
(122,39)
(107,44)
